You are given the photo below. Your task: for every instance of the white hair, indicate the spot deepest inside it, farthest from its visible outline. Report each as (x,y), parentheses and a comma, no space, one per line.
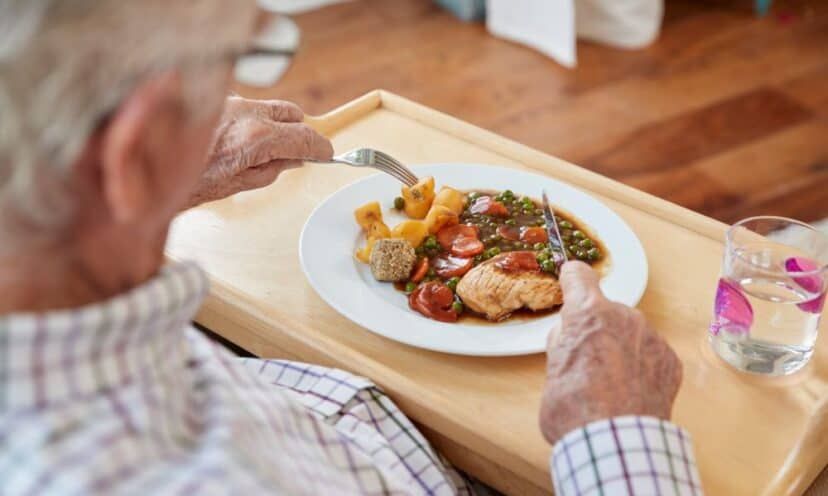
(65,63)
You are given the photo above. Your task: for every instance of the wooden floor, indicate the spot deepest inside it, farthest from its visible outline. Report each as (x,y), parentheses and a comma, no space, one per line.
(726,114)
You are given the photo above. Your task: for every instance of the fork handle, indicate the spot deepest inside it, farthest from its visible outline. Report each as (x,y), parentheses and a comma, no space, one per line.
(333,160)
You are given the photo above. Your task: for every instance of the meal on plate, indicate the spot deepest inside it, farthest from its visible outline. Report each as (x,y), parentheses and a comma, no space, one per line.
(482,253)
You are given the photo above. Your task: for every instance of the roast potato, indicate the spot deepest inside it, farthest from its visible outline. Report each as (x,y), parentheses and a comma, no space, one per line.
(364,254)
(450,198)
(418,198)
(379,230)
(413,231)
(440,216)
(367,215)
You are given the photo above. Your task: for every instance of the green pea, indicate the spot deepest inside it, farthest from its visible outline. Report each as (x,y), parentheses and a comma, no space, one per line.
(565,224)
(540,222)
(410,287)
(474,195)
(493,251)
(452,283)
(542,257)
(577,234)
(539,246)
(457,307)
(585,243)
(528,211)
(580,254)
(430,242)
(538,211)
(594,254)
(494,238)
(548,266)
(420,250)
(399,203)
(508,194)
(511,222)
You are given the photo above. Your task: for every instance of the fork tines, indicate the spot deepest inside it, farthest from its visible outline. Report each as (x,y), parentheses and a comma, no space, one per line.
(395,168)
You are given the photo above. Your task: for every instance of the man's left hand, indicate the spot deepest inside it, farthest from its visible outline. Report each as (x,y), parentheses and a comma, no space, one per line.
(254,142)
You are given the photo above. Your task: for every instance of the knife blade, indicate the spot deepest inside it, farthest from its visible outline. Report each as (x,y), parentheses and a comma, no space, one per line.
(553,233)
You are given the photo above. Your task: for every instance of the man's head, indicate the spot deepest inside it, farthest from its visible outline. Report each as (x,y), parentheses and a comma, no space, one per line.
(106,111)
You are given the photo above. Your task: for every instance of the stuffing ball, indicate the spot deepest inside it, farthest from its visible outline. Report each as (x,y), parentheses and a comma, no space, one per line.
(392,260)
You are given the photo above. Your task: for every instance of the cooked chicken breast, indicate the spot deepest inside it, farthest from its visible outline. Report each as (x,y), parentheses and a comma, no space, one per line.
(494,292)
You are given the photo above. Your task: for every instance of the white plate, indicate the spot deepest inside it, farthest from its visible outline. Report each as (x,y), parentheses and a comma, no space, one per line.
(331,236)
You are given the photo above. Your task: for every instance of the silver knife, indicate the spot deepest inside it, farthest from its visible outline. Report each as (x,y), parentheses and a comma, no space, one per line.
(554,234)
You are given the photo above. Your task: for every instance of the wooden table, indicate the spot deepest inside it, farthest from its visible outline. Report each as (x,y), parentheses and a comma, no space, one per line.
(750,434)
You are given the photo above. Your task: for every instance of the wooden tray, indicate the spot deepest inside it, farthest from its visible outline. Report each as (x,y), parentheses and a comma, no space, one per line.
(751,434)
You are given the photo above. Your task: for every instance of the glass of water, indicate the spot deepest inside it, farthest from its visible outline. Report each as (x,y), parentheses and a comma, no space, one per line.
(770,295)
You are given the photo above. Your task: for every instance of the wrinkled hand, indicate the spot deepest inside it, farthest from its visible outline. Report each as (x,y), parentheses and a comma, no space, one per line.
(604,362)
(254,142)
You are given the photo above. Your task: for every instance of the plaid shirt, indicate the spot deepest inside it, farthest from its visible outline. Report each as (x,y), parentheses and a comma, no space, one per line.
(625,456)
(125,397)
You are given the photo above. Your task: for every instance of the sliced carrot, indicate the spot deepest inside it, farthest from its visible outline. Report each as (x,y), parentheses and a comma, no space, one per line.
(517,261)
(420,270)
(533,235)
(447,235)
(489,206)
(511,233)
(467,247)
(447,266)
(434,300)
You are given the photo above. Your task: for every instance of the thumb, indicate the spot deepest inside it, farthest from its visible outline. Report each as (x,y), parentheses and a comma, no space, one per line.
(580,285)
(296,141)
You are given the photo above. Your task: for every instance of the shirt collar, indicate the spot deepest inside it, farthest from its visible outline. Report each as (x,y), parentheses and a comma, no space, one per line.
(48,358)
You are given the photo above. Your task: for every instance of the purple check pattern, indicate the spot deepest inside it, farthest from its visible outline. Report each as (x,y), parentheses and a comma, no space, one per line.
(125,397)
(625,456)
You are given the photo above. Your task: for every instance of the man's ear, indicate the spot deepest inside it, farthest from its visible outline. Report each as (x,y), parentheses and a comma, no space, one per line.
(127,154)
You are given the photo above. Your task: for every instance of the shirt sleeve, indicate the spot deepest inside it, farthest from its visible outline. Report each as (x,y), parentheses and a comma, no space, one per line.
(625,456)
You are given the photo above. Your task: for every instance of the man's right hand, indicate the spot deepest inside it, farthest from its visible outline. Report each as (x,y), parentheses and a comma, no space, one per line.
(604,361)
(255,141)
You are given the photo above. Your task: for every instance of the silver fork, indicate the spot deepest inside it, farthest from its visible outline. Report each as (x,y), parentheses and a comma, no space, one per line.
(366,157)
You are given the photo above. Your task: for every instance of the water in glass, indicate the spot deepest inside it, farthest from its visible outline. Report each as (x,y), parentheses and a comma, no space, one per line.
(770,296)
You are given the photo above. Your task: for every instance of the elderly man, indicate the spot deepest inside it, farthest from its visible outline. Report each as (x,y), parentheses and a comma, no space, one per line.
(112,119)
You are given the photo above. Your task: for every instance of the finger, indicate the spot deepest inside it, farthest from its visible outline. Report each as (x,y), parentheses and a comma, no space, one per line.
(295,141)
(259,177)
(265,175)
(580,285)
(280,111)
(268,110)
